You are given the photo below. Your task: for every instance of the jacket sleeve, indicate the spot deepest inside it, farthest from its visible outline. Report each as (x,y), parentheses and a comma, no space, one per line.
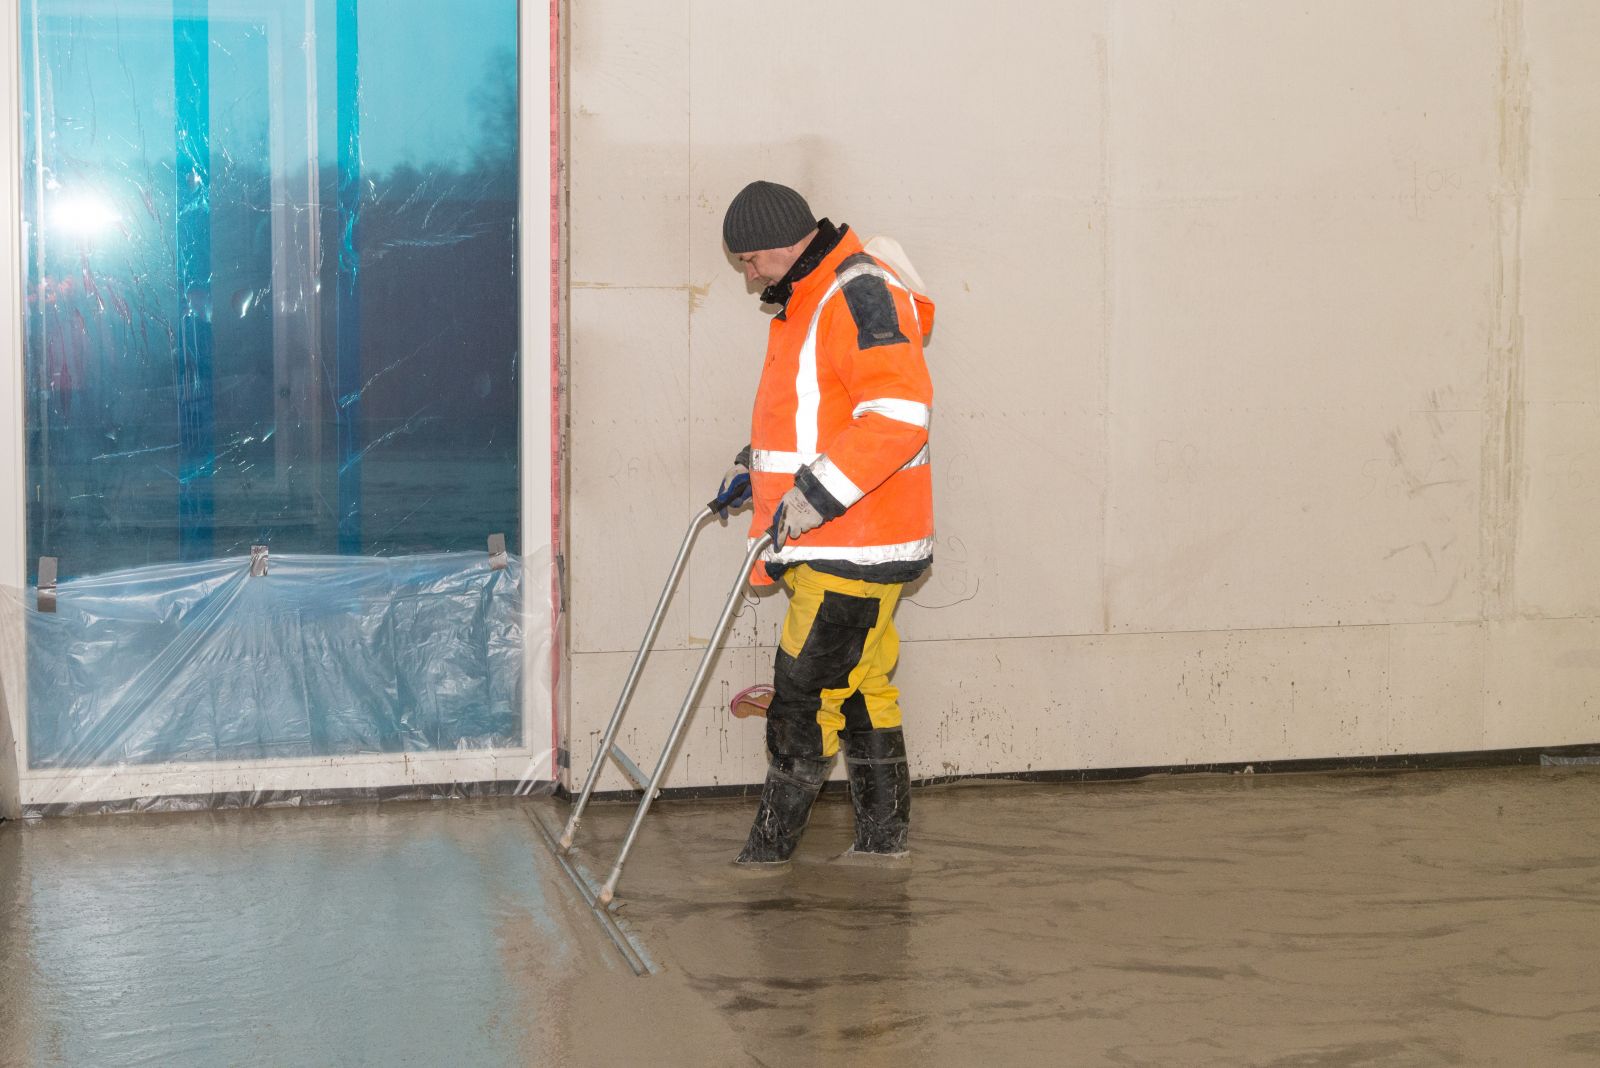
(872,341)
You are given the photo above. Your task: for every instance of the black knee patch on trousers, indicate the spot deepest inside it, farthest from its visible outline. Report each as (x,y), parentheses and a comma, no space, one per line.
(856,716)
(831,652)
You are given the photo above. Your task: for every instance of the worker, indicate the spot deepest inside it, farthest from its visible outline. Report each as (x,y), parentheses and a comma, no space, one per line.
(837,466)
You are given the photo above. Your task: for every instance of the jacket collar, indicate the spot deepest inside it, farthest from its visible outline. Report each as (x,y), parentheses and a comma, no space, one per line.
(815,265)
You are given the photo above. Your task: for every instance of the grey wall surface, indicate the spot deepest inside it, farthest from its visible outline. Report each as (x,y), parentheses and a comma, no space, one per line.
(1267,364)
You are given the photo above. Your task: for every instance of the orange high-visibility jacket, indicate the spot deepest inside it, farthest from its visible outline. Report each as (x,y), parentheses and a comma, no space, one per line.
(842,411)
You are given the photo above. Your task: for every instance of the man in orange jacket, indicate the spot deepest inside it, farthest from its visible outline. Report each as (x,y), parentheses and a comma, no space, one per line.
(839,474)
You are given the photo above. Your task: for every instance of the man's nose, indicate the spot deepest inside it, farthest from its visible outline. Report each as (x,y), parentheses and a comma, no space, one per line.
(750,271)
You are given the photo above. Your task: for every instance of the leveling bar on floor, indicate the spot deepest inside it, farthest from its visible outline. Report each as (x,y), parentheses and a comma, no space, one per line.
(609,748)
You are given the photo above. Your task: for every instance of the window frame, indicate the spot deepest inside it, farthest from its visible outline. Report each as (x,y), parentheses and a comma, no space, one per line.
(539,470)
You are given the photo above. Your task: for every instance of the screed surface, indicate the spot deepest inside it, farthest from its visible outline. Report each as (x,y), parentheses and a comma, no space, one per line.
(407,934)
(1415,919)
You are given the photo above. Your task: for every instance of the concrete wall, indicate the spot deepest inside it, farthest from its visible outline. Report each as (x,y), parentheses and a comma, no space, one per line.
(1267,364)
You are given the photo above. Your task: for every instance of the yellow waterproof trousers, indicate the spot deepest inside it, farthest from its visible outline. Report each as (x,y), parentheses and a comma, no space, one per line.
(834,658)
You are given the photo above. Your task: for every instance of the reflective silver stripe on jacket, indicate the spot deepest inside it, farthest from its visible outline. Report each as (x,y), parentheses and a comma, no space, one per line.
(904,552)
(779,463)
(836,482)
(775,462)
(903,411)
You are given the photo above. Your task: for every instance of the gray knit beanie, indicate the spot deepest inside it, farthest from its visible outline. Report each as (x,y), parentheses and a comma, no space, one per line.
(766,215)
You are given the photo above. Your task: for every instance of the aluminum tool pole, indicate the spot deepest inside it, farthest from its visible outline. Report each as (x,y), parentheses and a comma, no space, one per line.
(609,890)
(633,678)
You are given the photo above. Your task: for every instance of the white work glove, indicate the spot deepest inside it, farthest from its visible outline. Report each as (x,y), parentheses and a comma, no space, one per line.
(795,515)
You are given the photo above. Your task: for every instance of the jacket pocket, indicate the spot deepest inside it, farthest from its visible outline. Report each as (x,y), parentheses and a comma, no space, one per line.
(838,635)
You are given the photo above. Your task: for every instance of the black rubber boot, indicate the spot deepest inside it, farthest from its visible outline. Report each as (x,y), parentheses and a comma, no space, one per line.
(880,791)
(792,785)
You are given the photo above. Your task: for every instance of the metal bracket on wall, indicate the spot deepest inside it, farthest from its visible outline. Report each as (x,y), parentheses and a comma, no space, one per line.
(630,769)
(258,561)
(497,552)
(47,583)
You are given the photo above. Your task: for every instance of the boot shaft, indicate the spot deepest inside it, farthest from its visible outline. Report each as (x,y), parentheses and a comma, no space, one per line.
(880,789)
(786,799)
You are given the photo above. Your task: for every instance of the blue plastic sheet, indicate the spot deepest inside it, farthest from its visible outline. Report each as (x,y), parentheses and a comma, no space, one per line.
(272,281)
(323,656)
(271,297)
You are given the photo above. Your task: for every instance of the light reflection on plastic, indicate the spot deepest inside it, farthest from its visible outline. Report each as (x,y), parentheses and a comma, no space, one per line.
(84,215)
(129,287)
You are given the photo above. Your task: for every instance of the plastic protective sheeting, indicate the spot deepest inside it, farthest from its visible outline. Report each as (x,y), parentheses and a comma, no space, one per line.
(321,657)
(272,279)
(272,297)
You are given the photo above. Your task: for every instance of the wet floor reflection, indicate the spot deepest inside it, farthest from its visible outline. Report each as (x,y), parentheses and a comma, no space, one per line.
(292,938)
(1417,920)
(1412,919)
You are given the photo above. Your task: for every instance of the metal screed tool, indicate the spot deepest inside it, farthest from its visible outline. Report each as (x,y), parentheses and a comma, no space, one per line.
(608,742)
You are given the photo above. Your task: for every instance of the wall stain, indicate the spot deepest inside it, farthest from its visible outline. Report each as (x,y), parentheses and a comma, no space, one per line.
(1504,476)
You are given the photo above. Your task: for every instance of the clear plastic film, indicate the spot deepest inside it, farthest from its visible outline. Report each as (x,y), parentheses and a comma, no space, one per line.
(203,684)
(272,288)
(272,298)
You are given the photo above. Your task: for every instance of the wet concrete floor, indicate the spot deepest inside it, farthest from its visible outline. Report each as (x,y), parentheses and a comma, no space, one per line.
(1442,918)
